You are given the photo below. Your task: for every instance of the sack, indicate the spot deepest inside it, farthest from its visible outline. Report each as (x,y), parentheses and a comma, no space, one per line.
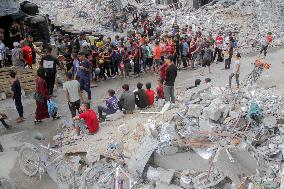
(38,97)
(52,108)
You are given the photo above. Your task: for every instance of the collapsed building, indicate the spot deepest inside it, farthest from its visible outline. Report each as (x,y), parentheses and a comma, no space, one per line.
(212,138)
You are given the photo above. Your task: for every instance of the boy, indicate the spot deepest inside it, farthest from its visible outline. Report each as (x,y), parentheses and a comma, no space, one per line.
(141,99)
(160,90)
(16,95)
(150,94)
(90,118)
(226,57)
(236,71)
(127,100)
(73,93)
(111,105)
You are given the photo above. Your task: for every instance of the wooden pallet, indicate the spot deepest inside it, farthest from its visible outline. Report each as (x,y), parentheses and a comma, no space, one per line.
(26,77)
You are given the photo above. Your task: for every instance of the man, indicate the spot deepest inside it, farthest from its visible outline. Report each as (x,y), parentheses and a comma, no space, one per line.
(49,62)
(27,54)
(90,118)
(184,52)
(17,56)
(73,94)
(171,75)
(141,99)
(218,47)
(83,74)
(2,51)
(17,96)
(236,71)
(111,105)
(127,100)
(265,42)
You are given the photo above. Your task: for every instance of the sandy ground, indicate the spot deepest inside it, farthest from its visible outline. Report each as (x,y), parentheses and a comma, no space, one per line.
(13,139)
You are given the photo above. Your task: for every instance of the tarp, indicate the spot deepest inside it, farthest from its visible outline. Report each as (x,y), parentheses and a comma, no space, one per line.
(8,7)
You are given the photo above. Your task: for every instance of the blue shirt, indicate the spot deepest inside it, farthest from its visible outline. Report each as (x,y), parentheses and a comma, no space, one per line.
(112,104)
(82,73)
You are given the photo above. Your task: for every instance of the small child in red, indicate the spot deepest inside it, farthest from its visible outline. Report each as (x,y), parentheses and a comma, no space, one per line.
(150,94)
(160,90)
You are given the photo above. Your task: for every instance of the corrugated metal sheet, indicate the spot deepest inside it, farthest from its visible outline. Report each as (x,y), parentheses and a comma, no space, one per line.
(8,7)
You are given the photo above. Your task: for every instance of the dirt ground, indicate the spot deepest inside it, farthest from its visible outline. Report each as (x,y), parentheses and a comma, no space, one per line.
(12,140)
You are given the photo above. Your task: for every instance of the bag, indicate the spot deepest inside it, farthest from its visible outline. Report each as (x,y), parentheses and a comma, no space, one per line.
(38,97)
(52,108)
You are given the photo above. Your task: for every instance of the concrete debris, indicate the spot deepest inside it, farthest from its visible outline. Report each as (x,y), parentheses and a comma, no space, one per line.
(160,175)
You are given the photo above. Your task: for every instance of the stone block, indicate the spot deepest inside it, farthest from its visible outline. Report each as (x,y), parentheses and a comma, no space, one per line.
(160,175)
(194,110)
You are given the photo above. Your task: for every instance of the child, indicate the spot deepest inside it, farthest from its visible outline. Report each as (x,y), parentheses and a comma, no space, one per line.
(141,99)
(226,57)
(17,95)
(160,90)
(111,105)
(236,71)
(150,94)
(90,118)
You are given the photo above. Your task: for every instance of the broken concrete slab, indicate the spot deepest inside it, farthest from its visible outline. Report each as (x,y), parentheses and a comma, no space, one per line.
(160,175)
(269,121)
(141,155)
(194,110)
(187,161)
(160,185)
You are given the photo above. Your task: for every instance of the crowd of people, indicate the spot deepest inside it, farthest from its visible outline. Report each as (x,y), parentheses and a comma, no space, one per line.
(88,57)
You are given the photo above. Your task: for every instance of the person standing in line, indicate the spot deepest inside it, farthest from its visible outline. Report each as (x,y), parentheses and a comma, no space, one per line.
(236,71)
(17,96)
(83,74)
(73,94)
(49,62)
(157,53)
(218,48)
(171,75)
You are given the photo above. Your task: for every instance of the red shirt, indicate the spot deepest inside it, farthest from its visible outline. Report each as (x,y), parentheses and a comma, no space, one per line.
(151,96)
(163,71)
(269,39)
(160,91)
(27,54)
(219,40)
(91,120)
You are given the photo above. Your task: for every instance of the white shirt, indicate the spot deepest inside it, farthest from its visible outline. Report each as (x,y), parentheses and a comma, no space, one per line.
(236,63)
(73,89)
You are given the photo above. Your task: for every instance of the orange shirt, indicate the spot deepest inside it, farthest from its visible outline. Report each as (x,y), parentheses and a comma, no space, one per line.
(158,52)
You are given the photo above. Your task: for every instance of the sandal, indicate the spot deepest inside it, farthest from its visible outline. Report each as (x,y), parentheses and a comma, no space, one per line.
(37,121)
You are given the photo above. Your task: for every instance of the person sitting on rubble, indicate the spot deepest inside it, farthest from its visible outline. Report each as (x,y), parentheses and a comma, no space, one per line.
(150,94)
(111,105)
(141,99)
(2,120)
(126,100)
(90,118)
(197,82)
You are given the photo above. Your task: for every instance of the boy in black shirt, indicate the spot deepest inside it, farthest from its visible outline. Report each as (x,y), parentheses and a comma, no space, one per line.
(16,94)
(141,98)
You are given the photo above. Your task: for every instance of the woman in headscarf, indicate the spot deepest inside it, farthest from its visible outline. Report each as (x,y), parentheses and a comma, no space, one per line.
(42,93)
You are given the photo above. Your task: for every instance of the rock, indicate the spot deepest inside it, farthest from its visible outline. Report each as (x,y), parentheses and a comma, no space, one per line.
(160,185)
(161,175)
(123,129)
(91,156)
(207,125)
(168,150)
(168,132)
(234,114)
(194,110)
(185,182)
(269,121)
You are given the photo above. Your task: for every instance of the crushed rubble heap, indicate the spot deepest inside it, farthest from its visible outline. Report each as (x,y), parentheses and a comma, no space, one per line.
(212,137)
(249,19)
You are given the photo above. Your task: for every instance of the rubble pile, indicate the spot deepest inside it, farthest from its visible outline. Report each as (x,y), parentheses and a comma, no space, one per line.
(212,137)
(250,20)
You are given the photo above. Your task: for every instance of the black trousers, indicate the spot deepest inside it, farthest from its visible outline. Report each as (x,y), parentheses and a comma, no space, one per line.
(50,81)
(218,52)
(19,106)
(73,106)
(136,66)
